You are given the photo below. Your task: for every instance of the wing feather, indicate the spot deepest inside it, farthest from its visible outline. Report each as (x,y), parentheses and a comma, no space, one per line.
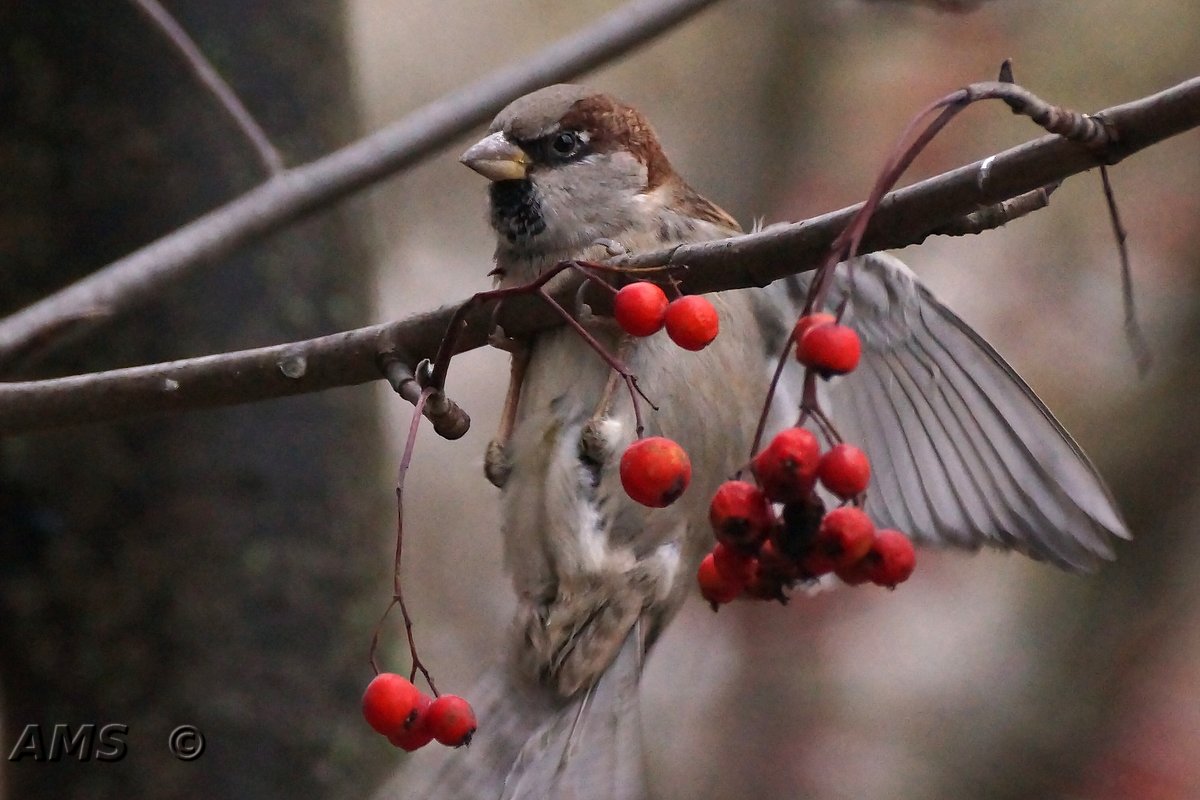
(964,452)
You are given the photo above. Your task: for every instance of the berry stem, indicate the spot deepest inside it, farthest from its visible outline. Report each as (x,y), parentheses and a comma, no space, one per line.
(810,407)
(375,638)
(847,242)
(585,269)
(766,409)
(397,584)
(629,378)
(674,284)
(449,343)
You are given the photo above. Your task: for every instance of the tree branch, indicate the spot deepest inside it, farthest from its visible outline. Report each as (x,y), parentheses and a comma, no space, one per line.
(208,76)
(298,192)
(998,215)
(906,216)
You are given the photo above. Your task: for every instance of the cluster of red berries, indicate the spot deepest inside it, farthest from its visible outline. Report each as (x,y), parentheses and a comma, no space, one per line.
(777,533)
(762,551)
(410,719)
(655,471)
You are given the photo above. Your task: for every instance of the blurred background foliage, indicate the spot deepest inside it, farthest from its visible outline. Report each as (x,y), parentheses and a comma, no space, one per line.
(225,568)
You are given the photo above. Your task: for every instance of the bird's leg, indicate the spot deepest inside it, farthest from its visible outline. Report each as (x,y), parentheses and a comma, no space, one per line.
(496,465)
(593,444)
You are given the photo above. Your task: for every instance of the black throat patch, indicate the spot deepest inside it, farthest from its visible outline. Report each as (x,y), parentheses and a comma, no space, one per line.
(516,212)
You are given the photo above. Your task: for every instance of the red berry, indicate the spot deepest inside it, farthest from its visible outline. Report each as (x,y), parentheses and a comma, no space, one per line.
(640,308)
(829,348)
(692,322)
(765,587)
(655,471)
(787,468)
(845,471)
(389,702)
(740,514)
(774,565)
(891,559)
(412,739)
(776,572)
(734,565)
(415,734)
(451,720)
(815,563)
(845,535)
(856,573)
(715,587)
(808,321)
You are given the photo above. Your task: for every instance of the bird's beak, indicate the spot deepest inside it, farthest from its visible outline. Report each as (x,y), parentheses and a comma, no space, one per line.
(497,159)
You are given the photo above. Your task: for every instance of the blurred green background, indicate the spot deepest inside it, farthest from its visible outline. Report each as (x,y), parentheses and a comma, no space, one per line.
(225,568)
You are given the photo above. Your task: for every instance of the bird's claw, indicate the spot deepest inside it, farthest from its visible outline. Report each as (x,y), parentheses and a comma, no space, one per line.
(496,464)
(594,445)
(614,248)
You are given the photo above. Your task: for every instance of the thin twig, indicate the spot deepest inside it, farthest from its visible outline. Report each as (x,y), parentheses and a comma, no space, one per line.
(373,653)
(397,584)
(1065,122)
(630,379)
(208,76)
(1142,356)
(458,322)
(998,215)
(756,443)
(536,287)
(849,240)
(293,195)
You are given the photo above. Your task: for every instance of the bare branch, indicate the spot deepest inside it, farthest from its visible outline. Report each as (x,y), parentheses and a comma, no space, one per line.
(1133,329)
(207,74)
(1070,124)
(904,217)
(292,195)
(999,214)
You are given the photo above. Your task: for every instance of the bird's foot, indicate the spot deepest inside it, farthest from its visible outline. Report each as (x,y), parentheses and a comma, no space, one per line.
(496,464)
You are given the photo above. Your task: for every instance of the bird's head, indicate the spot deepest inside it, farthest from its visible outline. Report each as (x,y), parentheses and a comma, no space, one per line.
(570,166)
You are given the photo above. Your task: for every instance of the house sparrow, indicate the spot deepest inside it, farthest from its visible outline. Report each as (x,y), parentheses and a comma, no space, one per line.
(964,453)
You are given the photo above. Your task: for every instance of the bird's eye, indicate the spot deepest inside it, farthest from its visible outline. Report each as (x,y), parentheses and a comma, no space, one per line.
(565,143)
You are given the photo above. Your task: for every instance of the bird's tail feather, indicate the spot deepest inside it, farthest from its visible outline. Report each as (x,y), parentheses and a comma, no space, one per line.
(532,744)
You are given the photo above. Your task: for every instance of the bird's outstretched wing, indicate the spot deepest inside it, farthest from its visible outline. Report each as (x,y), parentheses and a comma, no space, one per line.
(963,452)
